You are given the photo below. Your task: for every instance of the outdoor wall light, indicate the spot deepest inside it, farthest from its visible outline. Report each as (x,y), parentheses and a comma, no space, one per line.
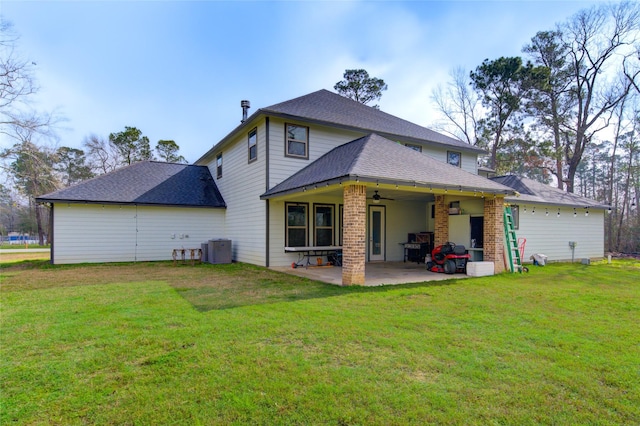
(546,212)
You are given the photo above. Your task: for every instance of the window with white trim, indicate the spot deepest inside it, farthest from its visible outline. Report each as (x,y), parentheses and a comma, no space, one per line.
(297,223)
(296,141)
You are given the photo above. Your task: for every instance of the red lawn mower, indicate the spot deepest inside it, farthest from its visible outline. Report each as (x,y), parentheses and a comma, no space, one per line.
(448,258)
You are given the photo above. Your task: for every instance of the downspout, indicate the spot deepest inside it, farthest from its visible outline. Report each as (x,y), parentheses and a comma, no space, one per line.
(135,255)
(267,212)
(51,236)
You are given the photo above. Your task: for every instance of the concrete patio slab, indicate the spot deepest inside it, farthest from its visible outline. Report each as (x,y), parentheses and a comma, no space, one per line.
(376,274)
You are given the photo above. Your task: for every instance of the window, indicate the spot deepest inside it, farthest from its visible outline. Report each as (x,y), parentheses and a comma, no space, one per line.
(454,158)
(341,225)
(296,224)
(413,147)
(219,165)
(323,224)
(253,145)
(297,141)
(515,214)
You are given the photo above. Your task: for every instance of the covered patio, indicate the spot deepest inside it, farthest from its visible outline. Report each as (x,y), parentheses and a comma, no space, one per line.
(353,175)
(376,273)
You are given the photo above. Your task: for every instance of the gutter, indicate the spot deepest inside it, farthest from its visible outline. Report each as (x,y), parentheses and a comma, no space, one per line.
(400,184)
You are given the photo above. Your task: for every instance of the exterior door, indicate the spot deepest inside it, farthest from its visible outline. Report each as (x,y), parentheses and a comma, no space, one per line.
(377,233)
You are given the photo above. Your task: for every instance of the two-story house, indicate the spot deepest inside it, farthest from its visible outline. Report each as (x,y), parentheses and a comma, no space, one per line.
(318,171)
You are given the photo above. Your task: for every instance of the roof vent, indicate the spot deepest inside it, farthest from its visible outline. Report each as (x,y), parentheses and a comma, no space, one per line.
(245,107)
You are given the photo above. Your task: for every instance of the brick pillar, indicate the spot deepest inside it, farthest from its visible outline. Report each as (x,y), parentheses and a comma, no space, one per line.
(354,235)
(494,233)
(441,234)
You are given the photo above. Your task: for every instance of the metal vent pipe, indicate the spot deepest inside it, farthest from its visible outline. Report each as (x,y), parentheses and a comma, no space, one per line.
(245,107)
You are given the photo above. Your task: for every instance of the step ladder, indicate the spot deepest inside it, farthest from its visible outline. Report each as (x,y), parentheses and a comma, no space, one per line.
(513,251)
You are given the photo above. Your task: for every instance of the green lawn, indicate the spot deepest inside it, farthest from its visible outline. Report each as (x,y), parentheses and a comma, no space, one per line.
(236,344)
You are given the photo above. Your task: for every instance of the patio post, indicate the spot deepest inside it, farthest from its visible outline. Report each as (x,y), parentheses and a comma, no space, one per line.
(441,234)
(354,234)
(494,233)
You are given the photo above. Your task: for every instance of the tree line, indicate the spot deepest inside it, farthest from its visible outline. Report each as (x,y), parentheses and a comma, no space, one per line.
(566,113)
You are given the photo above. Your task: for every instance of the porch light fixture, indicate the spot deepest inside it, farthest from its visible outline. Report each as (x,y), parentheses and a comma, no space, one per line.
(546,212)
(586,213)
(574,212)
(534,210)
(558,212)
(525,209)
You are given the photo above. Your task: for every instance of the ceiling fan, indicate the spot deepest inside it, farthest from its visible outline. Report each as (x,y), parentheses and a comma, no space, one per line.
(376,197)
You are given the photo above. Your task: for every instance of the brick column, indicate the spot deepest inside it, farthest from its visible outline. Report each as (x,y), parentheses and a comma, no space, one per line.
(494,233)
(354,235)
(441,234)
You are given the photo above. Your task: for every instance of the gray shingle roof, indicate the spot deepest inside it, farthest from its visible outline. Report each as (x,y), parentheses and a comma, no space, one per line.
(374,158)
(146,183)
(535,192)
(330,109)
(333,109)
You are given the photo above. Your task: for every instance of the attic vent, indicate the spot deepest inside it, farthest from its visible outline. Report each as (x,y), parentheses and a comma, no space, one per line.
(245,107)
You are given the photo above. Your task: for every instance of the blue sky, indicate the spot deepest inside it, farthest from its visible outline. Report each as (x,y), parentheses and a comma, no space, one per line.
(178,70)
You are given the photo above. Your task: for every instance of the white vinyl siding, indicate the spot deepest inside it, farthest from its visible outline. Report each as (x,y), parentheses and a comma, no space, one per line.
(550,235)
(241,187)
(321,141)
(93,233)
(469,160)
